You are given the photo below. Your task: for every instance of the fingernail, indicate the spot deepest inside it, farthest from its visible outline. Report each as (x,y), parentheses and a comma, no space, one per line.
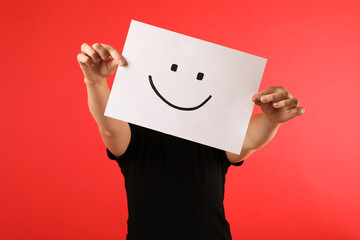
(302,110)
(276,105)
(121,61)
(263,99)
(255,98)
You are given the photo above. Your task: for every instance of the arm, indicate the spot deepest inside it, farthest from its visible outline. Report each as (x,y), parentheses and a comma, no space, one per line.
(114,133)
(97,63)
(278,106)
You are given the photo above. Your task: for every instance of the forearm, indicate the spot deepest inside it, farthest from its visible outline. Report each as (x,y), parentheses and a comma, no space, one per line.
(278,106)
(98,95)
(260,132)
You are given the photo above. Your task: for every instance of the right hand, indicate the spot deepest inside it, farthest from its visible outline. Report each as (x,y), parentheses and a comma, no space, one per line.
(99,61)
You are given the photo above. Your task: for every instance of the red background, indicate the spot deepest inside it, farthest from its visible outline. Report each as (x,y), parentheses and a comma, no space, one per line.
(56,181)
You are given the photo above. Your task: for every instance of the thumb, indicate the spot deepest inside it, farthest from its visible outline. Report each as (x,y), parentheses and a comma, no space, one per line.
(114,63)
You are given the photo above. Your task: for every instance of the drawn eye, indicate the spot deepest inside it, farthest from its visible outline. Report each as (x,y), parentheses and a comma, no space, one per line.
(200,76)
(174,67)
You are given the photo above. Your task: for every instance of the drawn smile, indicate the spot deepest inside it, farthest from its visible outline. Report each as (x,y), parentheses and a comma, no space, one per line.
(174,106)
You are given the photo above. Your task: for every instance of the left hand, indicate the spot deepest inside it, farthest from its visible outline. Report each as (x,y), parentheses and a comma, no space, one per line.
(278,104)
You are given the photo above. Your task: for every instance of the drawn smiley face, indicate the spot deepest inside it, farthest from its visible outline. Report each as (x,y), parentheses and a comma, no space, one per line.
(199,77)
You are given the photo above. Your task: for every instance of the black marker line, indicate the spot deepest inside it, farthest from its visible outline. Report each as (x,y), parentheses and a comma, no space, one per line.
(172,105)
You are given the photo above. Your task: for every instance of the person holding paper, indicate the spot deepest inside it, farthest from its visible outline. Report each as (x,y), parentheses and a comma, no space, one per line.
(175,187)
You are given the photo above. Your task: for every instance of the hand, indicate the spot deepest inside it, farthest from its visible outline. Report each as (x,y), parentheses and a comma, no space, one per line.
(99,61)
(278,104)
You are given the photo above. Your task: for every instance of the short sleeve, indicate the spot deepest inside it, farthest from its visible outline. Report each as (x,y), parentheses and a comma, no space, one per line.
(130,148)
(111,155)
(228,163)
(238,163)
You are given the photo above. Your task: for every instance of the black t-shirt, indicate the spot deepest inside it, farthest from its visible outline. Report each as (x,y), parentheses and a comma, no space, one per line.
(175,187)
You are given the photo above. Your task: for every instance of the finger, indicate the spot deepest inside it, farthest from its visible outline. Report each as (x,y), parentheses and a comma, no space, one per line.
(89,51)
(296,111)
(84,60)
(103,53)
(115,54)
(277,96)
(293,102)
(266,91)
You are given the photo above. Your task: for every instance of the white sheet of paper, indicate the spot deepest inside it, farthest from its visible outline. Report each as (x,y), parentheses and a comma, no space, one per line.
(213,111)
